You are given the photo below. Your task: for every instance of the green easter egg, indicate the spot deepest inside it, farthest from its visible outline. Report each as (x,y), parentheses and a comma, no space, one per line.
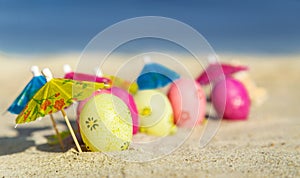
(106,124)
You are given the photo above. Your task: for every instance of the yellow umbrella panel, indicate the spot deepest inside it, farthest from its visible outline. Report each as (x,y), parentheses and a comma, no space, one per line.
(56,95)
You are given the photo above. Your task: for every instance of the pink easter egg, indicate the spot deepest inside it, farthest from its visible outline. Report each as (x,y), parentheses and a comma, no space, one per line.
(125,97)
(188,102)
(231,99)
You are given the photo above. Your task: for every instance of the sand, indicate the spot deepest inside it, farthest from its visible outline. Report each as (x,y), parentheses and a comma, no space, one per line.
(266,145)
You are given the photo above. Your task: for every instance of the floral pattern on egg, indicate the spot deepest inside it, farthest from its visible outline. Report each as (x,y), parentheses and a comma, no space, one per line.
(91,123)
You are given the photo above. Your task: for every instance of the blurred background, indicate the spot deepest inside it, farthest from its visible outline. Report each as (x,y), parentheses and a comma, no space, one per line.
(232,26)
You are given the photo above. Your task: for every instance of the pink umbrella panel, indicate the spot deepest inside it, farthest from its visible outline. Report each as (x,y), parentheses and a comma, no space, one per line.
(86,77)
(215,71)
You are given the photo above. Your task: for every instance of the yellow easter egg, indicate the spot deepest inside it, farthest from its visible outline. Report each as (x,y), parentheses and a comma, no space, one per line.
(155,111)
(106,124)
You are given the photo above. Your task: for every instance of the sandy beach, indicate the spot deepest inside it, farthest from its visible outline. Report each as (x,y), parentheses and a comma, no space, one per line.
(266,145)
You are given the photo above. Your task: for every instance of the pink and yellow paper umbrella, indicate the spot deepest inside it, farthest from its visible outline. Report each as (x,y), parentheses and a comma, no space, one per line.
(130,87)
(56,95)
(69,74)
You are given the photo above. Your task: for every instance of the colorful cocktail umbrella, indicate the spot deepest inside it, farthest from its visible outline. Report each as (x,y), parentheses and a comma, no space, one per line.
(69,74)
(130,87)
(56,95)
(154,75)
(30,89)
(37,82)
(215,71)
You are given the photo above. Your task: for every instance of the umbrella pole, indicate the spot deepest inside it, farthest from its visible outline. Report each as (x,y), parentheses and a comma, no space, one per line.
(57,132)
(71,130)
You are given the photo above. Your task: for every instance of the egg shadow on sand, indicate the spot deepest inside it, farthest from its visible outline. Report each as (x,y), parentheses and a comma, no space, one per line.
(19,143)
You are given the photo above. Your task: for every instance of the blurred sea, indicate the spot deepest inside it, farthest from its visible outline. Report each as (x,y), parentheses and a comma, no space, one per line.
(233,26)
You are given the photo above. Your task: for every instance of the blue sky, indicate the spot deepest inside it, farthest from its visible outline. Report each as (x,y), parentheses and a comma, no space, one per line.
(40,26)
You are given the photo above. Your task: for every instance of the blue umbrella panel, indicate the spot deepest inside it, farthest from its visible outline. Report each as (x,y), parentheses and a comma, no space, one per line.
(28,92)
(154,76)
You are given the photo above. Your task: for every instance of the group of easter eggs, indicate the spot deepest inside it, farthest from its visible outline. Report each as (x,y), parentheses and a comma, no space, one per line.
(109,118)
